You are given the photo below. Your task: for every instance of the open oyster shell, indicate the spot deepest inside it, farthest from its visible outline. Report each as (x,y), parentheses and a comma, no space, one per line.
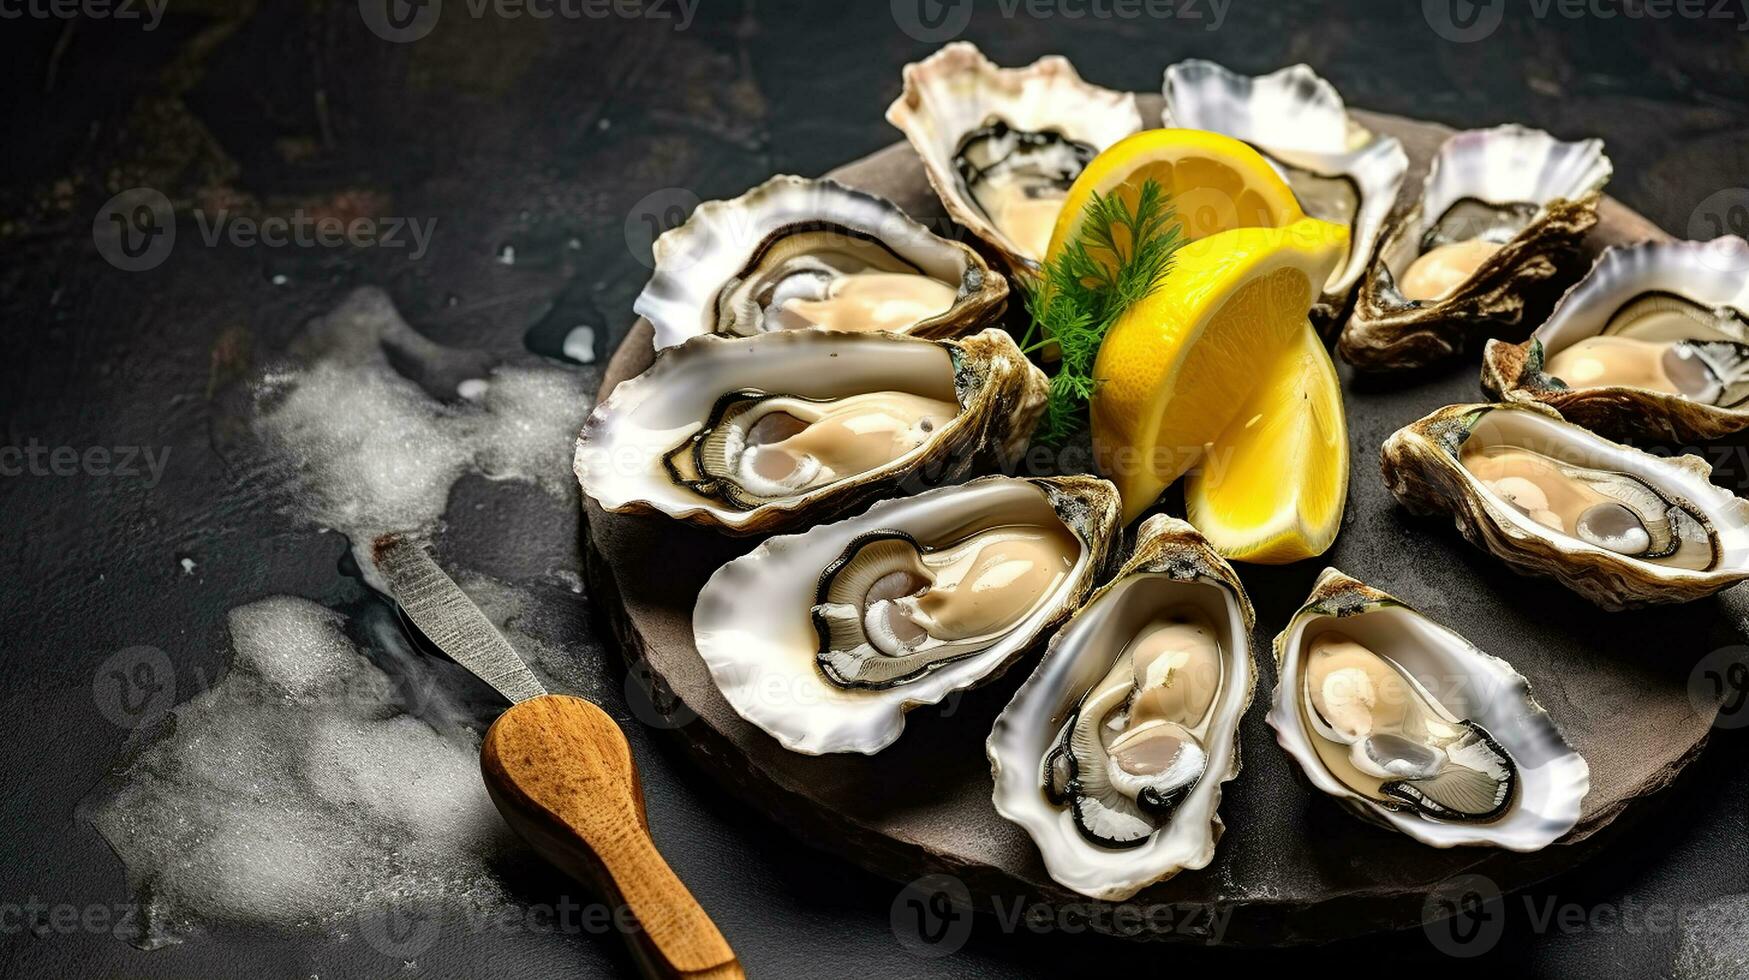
(758,434)
(1502,209)
(1002,145)
(794,253)
(1410,726)
(1165,649)
(914,584)
(1653,342)
(1633,529)
(1339,170)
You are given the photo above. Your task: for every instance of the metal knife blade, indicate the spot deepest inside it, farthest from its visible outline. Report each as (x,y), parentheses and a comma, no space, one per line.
(451,620)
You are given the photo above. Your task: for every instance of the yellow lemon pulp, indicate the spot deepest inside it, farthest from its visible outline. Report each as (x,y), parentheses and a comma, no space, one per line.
(1177,367)
(1272,487)
(1215,183)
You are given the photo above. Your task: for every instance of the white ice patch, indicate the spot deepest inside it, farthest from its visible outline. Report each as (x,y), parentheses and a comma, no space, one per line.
(320,784)
(579,345)
(299,792)
(366,449)
(1714,944)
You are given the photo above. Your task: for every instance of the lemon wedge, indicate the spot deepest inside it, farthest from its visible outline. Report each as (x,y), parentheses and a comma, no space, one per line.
(1178,367)
(1272,487)
(1216,183)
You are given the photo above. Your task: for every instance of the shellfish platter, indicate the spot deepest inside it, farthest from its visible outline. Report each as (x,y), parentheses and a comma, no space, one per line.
(1218,499)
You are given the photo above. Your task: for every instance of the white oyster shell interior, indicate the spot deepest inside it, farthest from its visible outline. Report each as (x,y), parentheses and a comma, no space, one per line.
(1079,657)
(1714,275)
(753,629)
(1553,778)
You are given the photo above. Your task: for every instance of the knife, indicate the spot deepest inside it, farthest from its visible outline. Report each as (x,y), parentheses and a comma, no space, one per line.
(561,772)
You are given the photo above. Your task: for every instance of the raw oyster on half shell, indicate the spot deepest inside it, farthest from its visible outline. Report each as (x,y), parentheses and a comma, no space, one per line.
(825,639)
(786,429)
(1339,170)
(1654,342)
(1002,145)
(795,253)
(1617,525)
(1410,726)
(1500,213)
(1113,753)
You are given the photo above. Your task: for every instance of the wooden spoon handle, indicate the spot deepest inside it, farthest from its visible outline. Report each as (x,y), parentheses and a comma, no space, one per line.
(561,772)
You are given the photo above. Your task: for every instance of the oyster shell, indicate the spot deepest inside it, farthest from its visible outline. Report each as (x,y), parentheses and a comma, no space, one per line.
(1619,526)
(795,253)
(1002,145)
(1339,170)
(1113,753)
(1501,210)
(1653,342)
(825,639)
(1410,726)
(758,434)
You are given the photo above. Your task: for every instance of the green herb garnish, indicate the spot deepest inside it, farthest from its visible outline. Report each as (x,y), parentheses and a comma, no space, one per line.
(1078,295)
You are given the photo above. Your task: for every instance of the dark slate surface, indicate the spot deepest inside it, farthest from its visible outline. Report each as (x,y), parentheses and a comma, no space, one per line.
(533,133)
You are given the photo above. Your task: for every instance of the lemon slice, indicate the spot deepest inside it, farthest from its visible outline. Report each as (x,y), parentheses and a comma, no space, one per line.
(1176,368)
(1215,184)
(1272,487)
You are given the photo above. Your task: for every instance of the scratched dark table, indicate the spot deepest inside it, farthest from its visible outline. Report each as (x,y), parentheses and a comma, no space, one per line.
(563,138)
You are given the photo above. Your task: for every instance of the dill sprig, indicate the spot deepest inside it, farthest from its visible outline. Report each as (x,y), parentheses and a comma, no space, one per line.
(1117,259)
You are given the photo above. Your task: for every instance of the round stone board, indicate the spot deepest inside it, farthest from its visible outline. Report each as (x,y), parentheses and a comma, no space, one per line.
(1292,866)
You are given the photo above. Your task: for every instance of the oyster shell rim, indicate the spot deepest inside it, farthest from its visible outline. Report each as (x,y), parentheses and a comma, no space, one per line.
(1514,372)
(979,298)
(1169,547)
(1087,506)
(967,443)
(1336,595)
(1421,470)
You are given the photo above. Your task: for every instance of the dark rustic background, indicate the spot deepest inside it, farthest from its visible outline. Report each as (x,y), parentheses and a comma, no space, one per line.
(559,139)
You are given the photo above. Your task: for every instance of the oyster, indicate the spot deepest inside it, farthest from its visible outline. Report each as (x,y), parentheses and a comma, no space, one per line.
(785,429)
(1113,753)
(1618,526)
(1409,725)
(1002,145)
(1654,342)
(795,253)
(825,639)
(1339,170)
(1501,210)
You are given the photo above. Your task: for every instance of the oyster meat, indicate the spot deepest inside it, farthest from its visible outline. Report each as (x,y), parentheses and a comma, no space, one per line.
(1654,342)
(1339,170)
(1501,211)
(825,639)
(1412,727)
(1002,145)
(784,429)
(1617,525)
(1113,753)
(795,253)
